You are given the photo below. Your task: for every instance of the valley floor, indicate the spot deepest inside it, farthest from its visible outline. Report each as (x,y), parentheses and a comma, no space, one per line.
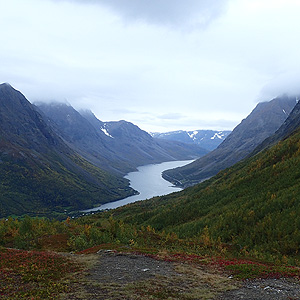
(116,276)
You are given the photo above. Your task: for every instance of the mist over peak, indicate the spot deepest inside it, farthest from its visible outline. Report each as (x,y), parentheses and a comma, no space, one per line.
(52,102)
(284,84)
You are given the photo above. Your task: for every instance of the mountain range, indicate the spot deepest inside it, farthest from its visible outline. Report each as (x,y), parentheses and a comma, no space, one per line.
(54,159)
(207,139)
(262,123)
(117,147)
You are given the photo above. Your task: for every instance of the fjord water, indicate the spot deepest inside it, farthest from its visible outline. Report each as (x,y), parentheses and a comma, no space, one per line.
(148,182)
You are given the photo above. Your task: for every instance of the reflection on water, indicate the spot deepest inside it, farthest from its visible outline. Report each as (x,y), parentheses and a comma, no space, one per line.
(148,182)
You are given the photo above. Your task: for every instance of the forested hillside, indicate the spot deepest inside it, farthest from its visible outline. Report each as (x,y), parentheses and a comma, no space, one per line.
(253,206)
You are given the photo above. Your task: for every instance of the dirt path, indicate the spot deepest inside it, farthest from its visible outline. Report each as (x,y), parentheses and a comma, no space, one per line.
(119,276)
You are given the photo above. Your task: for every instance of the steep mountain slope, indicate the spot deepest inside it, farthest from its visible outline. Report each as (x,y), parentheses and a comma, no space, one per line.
(82,136)
(207,139)
(38,171)
(263,121)
(253,206)
(115,146)
(287,128)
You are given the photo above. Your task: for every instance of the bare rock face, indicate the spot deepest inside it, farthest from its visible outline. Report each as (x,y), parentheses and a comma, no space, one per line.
(291,124)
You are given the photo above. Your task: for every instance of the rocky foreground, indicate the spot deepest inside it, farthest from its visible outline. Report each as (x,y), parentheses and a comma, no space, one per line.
(112,275)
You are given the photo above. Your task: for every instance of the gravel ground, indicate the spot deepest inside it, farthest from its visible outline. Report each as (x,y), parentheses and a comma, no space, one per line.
(124,268)
(266,289)
(117,276)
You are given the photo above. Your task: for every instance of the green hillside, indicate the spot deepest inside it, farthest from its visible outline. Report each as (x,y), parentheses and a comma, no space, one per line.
(39,173)
(253,206)
(244,223)
(51,185)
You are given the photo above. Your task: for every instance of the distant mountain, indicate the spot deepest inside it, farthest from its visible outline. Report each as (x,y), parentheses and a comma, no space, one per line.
(140,148)
(39,173)
(263,121)
(207,139)
(118,147)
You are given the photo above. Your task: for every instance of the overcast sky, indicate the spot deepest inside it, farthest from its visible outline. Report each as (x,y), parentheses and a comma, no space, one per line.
(161,64)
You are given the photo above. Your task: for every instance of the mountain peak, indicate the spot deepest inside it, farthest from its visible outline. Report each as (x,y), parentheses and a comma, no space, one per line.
(12,98)
(5,84)
(6,87)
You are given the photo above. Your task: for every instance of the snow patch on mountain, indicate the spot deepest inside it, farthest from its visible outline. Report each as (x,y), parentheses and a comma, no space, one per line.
(193,134)
(218,135)
(207,139)
(104,130)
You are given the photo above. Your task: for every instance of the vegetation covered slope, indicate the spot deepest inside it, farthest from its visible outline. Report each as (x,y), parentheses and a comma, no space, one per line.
(39,173)
(253,206)
(38,188)
(248,211)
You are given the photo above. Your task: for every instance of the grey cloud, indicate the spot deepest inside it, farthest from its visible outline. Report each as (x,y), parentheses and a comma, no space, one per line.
(193,13)
(193,124)
(123,111)
(182,78)
(171,116)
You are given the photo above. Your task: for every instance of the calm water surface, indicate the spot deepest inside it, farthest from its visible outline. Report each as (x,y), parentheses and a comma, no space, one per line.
(148,182)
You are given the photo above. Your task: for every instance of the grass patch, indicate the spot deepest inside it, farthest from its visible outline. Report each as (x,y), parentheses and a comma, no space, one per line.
(33,275)
(246,269)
